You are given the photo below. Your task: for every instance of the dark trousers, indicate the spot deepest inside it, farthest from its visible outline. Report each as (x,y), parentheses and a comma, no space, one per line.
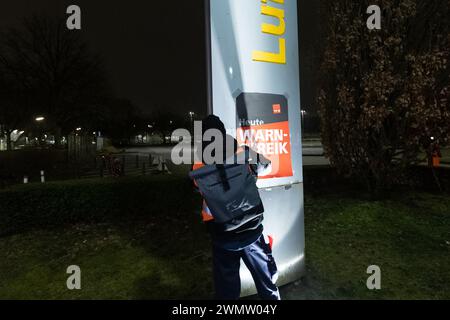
(258,259)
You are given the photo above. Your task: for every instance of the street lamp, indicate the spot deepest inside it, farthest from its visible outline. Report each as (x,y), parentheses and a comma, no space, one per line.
(192,114)
(303,114)
(39,120)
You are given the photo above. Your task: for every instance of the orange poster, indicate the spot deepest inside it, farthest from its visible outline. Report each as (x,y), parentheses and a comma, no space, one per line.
(263,125)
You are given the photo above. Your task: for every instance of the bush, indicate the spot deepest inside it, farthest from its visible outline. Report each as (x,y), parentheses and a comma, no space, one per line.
(384,93)
(54,204)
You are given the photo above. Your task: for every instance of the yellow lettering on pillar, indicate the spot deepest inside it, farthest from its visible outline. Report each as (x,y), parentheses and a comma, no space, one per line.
(280,57)
(276,30)
(270,28)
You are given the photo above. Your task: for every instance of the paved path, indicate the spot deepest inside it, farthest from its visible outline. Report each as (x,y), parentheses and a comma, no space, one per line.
(312,155)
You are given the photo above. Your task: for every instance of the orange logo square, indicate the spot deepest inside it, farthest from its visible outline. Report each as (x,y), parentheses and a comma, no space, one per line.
(276,108)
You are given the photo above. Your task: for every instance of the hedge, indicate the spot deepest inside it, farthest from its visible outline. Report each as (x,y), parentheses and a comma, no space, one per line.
(54,204)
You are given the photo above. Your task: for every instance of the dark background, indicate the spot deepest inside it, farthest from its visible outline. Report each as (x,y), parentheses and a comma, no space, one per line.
(154,51)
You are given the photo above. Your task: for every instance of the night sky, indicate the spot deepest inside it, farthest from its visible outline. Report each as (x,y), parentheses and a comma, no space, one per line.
(154,50)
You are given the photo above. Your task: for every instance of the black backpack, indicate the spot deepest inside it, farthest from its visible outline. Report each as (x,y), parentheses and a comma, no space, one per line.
(230,192)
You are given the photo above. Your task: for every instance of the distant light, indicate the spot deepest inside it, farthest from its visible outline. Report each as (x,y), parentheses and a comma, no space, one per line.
(150,126)
(78,129)
(39,119)
(432,138)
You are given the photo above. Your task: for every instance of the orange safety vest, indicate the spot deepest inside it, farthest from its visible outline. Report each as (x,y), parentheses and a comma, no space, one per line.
(436,161)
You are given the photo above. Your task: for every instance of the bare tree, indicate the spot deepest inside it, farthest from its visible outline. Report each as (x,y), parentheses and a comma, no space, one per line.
(11,116)
(51,72)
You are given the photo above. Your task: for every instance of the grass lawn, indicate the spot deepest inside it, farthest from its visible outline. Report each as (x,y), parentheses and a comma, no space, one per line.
(407,236)
(165,254)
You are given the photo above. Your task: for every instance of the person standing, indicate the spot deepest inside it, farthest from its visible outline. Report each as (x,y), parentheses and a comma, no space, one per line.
(241,236)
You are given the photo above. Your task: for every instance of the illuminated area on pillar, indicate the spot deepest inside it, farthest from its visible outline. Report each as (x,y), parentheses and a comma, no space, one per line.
(254,88)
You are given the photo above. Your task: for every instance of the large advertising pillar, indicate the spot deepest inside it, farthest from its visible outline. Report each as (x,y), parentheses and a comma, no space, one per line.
(254,87)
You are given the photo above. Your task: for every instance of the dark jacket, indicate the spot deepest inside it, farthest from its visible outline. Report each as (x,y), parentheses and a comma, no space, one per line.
(244,230)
